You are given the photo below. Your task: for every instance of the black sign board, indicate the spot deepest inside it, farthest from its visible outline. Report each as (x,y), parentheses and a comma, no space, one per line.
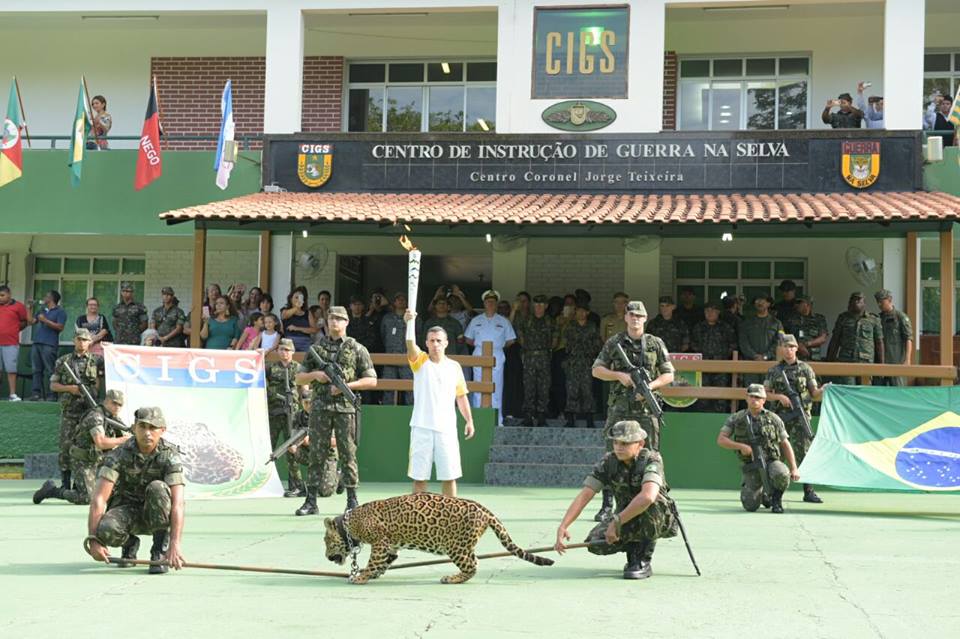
(809,161)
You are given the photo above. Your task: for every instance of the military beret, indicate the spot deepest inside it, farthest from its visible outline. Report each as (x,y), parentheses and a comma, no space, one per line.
(539,299)
(126,286)
(339,312)
(150,415)
(628,431)
(637,307)
(490,293)
(115,396)
(166,290)
(787,285)
(84,334)
(666,299)
(286,344)
(882,294)
(788,340)
(756,390)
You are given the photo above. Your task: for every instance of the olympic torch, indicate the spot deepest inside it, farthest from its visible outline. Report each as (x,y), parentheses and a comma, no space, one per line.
(413,271)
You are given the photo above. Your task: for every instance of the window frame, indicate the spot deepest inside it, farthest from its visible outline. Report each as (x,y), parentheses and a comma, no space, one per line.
(738,283)
(953,74)
(935,285)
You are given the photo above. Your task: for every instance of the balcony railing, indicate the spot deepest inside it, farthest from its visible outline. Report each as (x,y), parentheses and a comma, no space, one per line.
(43,142)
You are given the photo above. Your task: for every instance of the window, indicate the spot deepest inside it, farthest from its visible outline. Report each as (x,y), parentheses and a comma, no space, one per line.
(733,94)
(930,296)
(80,277)
(422,96)
(714,279)
(941,72)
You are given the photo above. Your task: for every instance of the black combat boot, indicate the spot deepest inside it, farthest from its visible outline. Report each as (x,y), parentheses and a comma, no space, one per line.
(541,419)
(161,543)
(49,489)
(129,551)
(340,487)
(637,567)
(309,506)
(65,480)
(293,488)
(606,509)
(571,421)
(776,505)
(808,495)
(352,498)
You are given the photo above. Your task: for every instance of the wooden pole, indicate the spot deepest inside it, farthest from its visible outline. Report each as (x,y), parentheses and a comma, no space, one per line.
(912,303)
(264,271)
(486,375)
(23,114)
(489,555)
(947,284)
(272,571)
(199,275)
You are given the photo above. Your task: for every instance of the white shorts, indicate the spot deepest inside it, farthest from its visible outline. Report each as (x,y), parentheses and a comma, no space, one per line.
(429,447)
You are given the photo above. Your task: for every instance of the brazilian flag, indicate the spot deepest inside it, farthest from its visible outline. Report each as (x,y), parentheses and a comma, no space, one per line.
(881,438)
(78,137)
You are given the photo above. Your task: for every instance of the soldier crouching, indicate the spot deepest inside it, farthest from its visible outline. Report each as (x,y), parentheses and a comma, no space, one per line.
(143,482)
(644,512)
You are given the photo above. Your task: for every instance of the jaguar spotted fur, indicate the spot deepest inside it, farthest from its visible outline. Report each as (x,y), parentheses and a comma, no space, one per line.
(432,523)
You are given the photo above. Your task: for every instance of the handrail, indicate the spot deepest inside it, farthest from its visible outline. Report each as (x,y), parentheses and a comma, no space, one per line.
(245,141)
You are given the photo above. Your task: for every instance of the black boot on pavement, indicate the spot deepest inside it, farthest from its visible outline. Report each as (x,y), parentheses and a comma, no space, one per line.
(161,542)
(309,506)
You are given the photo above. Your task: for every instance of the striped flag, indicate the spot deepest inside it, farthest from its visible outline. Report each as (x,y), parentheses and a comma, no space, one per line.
(226,149)
(11,145)
(78,137)
(149,161)
(954,116)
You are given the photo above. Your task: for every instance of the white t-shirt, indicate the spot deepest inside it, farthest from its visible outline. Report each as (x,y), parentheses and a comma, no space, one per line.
(435,389)
(267,341)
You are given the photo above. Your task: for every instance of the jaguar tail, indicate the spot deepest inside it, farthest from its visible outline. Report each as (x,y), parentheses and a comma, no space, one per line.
(501,531)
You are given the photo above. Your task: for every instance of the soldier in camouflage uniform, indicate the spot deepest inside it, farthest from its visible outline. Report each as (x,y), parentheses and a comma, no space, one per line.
(803,380)
(731,313)
(142,481)
(670,328)
(650,353)
(809,328)
(331,411)
(583,344)
(129,317)
(857,337)
(759,336)
(537,339)
(87,367)
(168,320)
(897,337)
(93,437)
(281,390)
(714,340)
(630,471)
(773,440)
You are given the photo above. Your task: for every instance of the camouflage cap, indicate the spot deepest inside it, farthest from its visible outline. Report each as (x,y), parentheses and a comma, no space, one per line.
(628,431)
(856,295)
(166,290)
(83,334)
(286,344)
(637,307)
(756,390)
(126,286)
(150,415)
(883,294)
(788,340)
(666,299)
(338,312)
(540,299)
(115,396)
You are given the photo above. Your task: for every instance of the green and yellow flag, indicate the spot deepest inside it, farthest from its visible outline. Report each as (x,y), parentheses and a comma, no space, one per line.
(11,146)
(78,137)
(882,438)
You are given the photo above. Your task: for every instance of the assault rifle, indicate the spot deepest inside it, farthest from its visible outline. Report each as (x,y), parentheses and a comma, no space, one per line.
(296,436)
(797,412)
(335,374)
(758,456)
(91,402)
(683,533)
(641,382)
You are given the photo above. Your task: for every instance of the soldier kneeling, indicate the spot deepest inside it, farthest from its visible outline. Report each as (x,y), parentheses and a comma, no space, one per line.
(143,482)
(644,512)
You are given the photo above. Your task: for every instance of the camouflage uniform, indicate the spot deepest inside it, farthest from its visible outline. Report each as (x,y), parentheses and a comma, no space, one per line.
(626,481)
(673,332)
(772,432)
(537,340)
(759,336)
(85,456)
(88,367)
(278,379)
(897,329)
(612,324)
(714,341)
(127,320)
(648,352)
(733,320)
(141,501)
(807,328)
(329,474)
(856,337)
(334,413)
(583,342)
(804,381)
(393,332)
(167,319)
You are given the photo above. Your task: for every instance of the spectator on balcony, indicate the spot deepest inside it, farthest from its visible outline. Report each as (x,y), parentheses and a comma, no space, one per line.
(14,317)
(269,339)
(250,337)
(788,299)
(897,337)
(46,340)
(393,329)
(150,337)
(689,312)
(731,313)
(266,304)
(100,124)
(848,117)
(129,317)
(252,303)
(379,306)
(319,311)
(759,336)
(937,118)
(809,328)
(298,324)
(668,327)
(872,108)
(223,329)
(96,323)
(494,328)
(714,340)
(460,307)
(857,337)
(212,293)
(168,319)
(235,296)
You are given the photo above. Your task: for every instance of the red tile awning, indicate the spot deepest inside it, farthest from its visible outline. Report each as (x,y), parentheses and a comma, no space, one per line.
(572,209)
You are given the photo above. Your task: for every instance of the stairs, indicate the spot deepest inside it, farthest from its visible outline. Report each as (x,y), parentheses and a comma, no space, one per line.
(543,456)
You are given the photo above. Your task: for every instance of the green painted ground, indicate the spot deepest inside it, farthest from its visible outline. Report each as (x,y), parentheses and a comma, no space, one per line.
(862,565)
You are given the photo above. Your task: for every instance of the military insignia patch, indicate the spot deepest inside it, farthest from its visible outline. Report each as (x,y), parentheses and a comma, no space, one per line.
(315,164)
(579,115)
(860,163)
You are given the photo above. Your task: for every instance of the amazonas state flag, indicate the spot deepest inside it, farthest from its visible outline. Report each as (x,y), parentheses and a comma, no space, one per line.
(886,438)
(11,145)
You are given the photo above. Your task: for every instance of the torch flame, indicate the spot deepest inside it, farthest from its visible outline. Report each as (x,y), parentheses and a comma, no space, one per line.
(406,243)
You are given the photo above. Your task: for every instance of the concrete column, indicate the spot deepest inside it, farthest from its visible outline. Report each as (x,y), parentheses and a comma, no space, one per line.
(645,78)
(507,84)
(641,276)
(903,40)
(281,268)
(894,269)
(283,91)
(509,270)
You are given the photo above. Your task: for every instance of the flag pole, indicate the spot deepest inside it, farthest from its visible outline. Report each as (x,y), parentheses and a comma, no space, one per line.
(93,127)
(156,95)
(23,114)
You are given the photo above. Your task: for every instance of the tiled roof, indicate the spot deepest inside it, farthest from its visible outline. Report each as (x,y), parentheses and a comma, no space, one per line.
(545,208)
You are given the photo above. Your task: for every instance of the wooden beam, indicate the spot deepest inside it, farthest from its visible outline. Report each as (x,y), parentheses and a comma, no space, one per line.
(947,284)
(486,375)
(264,271)
(199,275)
(912,302)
